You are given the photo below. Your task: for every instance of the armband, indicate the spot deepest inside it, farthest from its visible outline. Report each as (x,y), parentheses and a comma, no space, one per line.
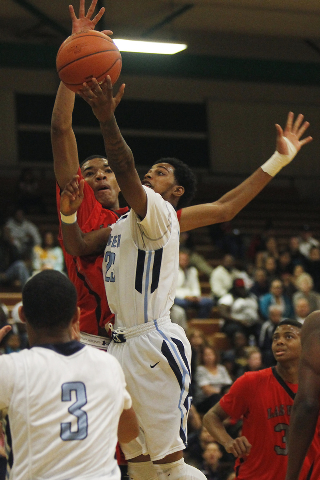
(278,160)
(69,219)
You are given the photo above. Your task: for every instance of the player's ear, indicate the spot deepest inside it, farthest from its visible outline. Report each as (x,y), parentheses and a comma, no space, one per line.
(21,314)
(178,191)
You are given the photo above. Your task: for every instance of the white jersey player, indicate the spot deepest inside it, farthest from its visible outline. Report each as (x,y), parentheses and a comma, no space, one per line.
(64,400)
(155,354)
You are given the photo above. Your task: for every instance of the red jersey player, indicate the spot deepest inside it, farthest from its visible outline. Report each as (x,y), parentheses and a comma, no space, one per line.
(264,399)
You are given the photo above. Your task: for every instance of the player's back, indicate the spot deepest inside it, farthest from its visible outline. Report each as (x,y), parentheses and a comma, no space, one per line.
(64,403)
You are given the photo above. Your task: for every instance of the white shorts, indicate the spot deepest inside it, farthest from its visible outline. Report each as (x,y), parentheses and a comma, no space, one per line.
(156,365)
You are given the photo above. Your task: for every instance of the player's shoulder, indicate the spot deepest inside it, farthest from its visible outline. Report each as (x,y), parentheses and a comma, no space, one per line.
(255,378)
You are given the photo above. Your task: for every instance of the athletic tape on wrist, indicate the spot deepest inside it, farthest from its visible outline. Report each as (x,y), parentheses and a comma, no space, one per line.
(68,219)
(278,160)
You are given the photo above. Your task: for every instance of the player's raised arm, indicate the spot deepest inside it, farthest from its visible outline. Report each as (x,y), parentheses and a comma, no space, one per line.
(213,422)
(306,405)
(120,157)
(288,144)
(64,145)
(75,241)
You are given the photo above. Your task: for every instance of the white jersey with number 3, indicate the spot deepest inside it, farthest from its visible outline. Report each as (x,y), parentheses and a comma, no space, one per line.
(141,276)
(64,402)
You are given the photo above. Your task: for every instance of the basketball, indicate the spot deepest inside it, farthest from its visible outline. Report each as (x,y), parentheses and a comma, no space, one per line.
(86,55)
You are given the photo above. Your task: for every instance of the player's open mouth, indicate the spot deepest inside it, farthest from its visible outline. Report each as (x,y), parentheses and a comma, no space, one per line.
(103,188)
(147,184)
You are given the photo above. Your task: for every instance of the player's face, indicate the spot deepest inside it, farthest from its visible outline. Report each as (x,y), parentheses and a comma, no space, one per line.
(98,174)
(161,179)
(286,343)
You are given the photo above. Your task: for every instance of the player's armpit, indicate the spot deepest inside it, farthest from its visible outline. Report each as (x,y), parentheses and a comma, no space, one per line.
(128,428)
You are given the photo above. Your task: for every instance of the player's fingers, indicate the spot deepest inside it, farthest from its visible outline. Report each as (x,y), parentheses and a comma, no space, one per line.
(302,129)
(297,123)
(279,130)
(289,121)
(72,14)
(108,33)
(81,9)
(91,9)
(98,16)
(81,187)
(120,94)
(306,140)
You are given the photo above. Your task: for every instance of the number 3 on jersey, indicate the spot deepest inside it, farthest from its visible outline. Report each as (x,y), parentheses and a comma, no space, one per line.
(75,409)
(109,258)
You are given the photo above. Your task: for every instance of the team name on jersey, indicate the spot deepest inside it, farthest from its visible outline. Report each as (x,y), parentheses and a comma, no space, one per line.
(279,410)
(114,241)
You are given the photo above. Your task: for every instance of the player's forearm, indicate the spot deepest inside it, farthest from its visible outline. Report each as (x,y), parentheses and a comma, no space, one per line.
(64,145)
(234,201)
(216,428)
(62,111)
(80,244)
(128,428)
(119,154)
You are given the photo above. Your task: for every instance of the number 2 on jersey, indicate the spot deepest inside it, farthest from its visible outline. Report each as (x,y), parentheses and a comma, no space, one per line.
(75,409)
(109,258)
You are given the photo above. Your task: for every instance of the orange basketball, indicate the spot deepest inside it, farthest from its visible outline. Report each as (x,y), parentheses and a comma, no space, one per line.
(86,55)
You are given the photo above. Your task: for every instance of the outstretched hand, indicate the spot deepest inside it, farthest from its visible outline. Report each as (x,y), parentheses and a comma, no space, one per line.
(4,331)
(84,22)
(100,98)
(293,131)
(72,196)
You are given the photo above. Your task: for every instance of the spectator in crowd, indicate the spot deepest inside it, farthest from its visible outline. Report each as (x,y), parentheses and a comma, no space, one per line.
(188,292)
(222,276)
(254,361)
(9,252)
(276,297)
(304,284)
(24,233)
(19,272)
(12,343)
(297,270)
(271,247)
(211,466)
(270,266)
(267,329)
(260,286)
(307,241)
(197,443)
(18,327)
(29,195)
(288,283)
(240,310)
(301,309)
(296,256)
(49,254)
(313,267)
(284,264)
(178,315)
(198,342)
(195,260)
(210,377)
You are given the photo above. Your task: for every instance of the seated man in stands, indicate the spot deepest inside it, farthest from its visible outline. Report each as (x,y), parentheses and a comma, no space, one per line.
(188,293)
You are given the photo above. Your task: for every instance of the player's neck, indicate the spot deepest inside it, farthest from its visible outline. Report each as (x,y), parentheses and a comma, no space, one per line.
(288,371)
(39,337)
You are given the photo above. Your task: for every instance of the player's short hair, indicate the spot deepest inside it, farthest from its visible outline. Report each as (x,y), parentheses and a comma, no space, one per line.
(91,158)
(184,177)
(49,300)
(290,321)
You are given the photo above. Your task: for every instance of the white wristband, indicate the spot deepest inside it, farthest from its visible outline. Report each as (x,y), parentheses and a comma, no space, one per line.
(69,219)
(278,161)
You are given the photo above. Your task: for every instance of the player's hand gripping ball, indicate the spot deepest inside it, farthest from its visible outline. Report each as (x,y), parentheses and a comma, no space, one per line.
(86,55)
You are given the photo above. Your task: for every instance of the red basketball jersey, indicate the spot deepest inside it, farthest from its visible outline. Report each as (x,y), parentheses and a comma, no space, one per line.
(86,272)
(265,405)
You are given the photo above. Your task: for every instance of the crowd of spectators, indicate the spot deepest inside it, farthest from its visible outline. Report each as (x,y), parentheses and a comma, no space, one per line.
(254,284)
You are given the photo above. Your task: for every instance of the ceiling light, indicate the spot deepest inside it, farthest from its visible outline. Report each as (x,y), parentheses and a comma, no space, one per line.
(148,47)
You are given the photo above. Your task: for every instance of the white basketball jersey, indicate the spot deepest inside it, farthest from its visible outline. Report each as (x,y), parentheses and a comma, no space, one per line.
(64,402)
(140,265)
